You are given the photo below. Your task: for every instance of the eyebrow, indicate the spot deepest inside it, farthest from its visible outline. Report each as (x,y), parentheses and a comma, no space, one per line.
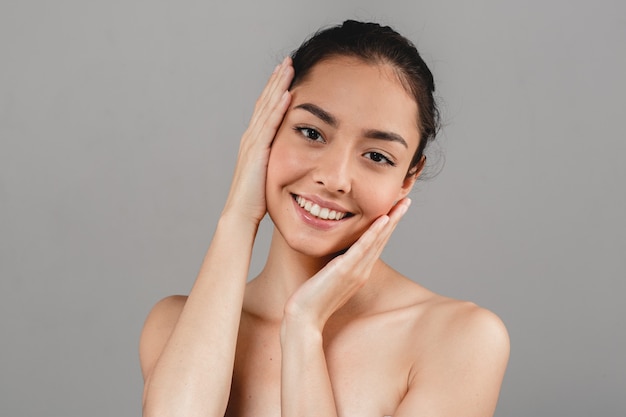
(319,113)
(390,136)
(332,121)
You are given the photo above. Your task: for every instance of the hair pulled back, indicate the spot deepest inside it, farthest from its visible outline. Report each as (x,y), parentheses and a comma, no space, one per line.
(377,44)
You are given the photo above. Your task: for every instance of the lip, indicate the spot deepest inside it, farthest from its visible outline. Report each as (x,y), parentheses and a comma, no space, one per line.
(316,222)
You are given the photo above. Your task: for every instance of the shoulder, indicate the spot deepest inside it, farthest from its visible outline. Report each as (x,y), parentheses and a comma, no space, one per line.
(446,329)
(465,319)
(457,351)
(157,329)
(463,330)
(460,353)
(443,321)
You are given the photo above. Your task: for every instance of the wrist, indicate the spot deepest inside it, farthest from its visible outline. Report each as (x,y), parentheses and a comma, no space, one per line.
(236,221)
(300,331)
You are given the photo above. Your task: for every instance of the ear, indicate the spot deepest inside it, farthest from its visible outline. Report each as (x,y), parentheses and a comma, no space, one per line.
(411,177)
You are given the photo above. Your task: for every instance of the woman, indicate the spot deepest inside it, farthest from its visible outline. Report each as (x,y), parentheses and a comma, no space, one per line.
(334,146)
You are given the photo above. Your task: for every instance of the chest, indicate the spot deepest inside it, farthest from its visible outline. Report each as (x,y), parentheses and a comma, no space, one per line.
(368,373)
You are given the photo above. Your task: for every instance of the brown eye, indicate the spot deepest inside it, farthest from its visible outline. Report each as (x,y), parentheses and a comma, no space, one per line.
(379,158)
(310,134)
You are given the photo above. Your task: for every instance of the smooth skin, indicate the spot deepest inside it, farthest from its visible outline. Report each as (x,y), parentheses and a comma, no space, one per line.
(321,331)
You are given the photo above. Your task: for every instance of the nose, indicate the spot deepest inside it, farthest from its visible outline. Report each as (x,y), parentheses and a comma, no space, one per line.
(334,170)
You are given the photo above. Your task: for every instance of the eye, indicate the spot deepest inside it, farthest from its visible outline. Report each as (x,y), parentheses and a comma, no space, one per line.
(310,134)
(379,158)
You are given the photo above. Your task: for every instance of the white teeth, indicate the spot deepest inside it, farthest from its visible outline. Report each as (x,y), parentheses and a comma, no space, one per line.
(317,211)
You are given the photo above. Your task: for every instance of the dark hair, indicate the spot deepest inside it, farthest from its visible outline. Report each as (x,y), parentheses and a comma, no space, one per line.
(374,43)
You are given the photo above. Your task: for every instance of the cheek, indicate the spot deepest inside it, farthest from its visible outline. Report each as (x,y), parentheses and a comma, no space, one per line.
(284,164)
(378,196)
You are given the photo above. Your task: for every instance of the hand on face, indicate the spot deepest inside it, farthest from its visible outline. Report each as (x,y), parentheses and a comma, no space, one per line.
(247,192)
(320,296)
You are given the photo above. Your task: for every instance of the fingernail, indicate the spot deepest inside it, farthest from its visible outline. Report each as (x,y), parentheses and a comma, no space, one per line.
(408,202)
(276,69)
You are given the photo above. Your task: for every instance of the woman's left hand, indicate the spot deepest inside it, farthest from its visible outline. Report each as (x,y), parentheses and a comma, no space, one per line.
(321,295)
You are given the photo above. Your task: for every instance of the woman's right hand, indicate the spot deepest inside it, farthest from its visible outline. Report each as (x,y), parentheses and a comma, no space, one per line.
(246,197)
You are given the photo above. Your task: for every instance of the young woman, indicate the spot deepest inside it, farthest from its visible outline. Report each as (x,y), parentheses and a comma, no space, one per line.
(334,146)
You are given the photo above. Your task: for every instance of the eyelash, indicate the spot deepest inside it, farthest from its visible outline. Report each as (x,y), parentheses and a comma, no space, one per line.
(385,160)
(381,158)
(303,131)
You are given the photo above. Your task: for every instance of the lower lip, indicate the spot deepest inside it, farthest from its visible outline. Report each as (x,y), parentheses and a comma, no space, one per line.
(313,221)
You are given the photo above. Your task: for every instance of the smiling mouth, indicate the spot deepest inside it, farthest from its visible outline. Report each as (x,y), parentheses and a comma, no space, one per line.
(315,210)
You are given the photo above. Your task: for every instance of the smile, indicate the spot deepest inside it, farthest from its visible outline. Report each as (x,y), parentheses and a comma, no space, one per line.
(320,212)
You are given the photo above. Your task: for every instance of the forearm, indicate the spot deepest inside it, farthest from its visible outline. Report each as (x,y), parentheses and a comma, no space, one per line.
(306,389)
(193,374)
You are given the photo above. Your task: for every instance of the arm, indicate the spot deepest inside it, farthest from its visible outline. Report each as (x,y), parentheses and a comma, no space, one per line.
(306,389)
(192,374)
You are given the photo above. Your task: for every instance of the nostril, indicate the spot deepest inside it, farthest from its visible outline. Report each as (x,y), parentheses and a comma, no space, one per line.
(334,176)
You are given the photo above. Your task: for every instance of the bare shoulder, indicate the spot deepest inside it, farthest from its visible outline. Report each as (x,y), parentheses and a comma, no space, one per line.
(460,351)
(446,322)
(465,326)
(157,329)
(447,328)
(459,315)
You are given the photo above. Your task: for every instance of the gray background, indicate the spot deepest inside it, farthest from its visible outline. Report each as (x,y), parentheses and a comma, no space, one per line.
(119,125)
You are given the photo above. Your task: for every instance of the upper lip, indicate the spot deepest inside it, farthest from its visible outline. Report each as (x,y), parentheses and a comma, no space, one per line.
(324,203)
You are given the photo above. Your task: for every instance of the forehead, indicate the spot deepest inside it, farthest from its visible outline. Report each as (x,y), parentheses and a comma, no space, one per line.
(360,95)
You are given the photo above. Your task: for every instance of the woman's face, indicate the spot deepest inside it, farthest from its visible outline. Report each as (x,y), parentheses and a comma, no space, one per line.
(341,155)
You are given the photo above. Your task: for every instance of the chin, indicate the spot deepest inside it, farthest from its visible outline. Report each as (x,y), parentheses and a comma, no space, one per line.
(315,245)
(320,252)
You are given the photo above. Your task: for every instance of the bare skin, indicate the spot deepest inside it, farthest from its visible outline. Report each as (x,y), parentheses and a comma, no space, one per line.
(316,333)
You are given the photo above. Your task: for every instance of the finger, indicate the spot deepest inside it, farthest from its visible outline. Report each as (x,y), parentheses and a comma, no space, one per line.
(361,252)
(266,125)
(276,116)
(271,95)
(270,82)
(365,251)
(395,214)
(380,231)
(261,101)
(282,78)
(276,95)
